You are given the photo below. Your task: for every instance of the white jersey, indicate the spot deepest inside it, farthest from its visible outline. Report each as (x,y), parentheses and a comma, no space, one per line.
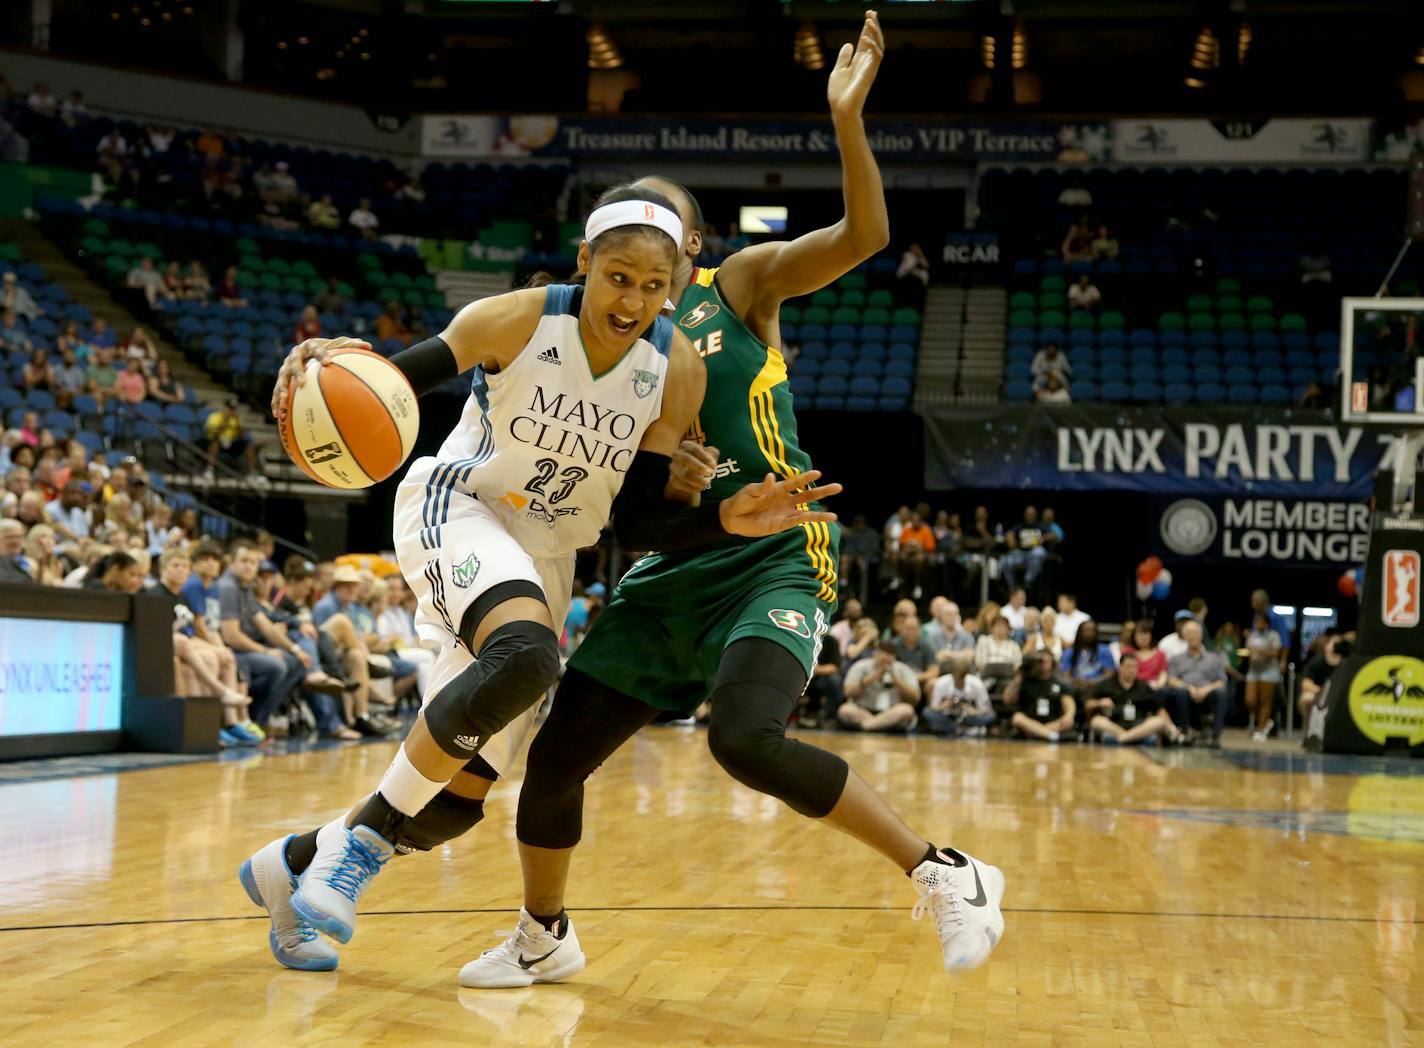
(545,443)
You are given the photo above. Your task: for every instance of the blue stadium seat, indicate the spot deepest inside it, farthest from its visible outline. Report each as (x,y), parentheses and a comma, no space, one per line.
(1142,337)
(1084,372)
(1270,376)
(1082,337)
(1234,340)
(1179,393)
(864,386)
(844,351)
(1202,340)
(1239,376)
(904,333)
(1146,392)
(1018,390)
(802,384)
(1176,373)
(9,398)
(1238,358)
(1265,340)
(61,422)
(829,403)
(1210,393)
(1327,342)
(93,443)
(900,368)
(902,351)
(1302,376)
(814,333)
(815,349)
(838,367)
(1114,356)
(1112,374)
(1300,358)
(895,386)
(862,403)
(844,332)
(873,351)
(1275,394)
(1243,394)
(874,333)
(1112,337)
(832,386)
(1054,335)
(39,400)
(1115,392)
(1084,390)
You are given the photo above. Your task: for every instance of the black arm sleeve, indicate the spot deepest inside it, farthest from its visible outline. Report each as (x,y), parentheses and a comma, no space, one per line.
(428,365)
(643,519)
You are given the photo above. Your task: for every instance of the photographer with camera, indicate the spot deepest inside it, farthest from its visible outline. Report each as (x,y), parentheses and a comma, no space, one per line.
(881,693)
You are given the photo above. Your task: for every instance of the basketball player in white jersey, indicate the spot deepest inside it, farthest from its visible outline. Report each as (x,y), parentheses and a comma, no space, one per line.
(580,397)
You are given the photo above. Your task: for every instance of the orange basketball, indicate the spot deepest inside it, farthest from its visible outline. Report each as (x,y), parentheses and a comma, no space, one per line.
(353,422)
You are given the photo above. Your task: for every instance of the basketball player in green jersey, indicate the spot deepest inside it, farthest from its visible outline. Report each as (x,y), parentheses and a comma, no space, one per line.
(740,621)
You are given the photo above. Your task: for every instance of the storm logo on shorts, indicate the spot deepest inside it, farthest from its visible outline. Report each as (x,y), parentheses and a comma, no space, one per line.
(463,574)
(324,453)
(792,621)
(644,382)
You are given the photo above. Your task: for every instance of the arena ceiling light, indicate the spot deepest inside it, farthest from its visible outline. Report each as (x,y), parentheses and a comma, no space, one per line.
(988,48)
(1018,55)
(808,48)
(1243,42)
(603,52)
(1206,56)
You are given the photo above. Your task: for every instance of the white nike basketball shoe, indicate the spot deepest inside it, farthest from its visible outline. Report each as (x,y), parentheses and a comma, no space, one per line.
(964,901)
(532,954)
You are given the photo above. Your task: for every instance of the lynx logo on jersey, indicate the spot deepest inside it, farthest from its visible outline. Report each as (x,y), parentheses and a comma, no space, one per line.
(792,621)
(704,311)
(644,382)
(463,574)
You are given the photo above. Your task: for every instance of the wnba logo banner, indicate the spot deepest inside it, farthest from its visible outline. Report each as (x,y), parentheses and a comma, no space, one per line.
(1401,589)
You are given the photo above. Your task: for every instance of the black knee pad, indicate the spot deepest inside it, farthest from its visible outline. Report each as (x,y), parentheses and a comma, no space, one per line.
(516,665)
(443,819)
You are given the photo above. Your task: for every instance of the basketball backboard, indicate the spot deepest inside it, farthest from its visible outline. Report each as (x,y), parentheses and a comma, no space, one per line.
(1382,361)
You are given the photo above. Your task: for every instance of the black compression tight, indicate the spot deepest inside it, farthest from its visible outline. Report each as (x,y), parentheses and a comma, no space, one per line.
(758,685)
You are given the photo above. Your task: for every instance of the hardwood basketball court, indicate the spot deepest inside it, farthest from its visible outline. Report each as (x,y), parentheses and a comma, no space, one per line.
(1177,899)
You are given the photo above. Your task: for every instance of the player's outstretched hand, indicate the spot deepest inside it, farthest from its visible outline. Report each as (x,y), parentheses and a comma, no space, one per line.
(855,70)
(693,466)
(294,368)
(776,505)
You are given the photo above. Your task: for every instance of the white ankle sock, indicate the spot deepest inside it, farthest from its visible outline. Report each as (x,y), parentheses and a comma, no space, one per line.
(405,788)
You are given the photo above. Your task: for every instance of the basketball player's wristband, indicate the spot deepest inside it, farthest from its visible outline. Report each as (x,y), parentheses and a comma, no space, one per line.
(427,365)
(644,519)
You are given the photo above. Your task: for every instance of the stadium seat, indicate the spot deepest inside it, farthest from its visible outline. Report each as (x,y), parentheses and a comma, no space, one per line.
(1115,392)
(1018,390)
(1084,390)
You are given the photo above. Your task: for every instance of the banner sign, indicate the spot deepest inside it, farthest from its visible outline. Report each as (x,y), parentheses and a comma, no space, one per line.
(1246,454)
(1282,532)
(60,677)
(971,249)
(1289,141)
(780,140)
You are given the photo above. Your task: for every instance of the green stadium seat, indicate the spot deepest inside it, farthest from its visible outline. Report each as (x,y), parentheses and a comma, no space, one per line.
(874,315)
(148,250)
(791,314)
(1046,318)
(852,282)
(366,260)
(1112,321)
(1020,318)
(269,282)
(853,298)
(315,285)
(388,294)
(1263,322)
(436,300)
(292,282)
(120,246)
(252,263)
(816,315)
(118,265)
(1199,304)
(1052,300)
(452,254)
(1171,322)
(880,299)
(94,246)
(825,297)
(1080,320)
(280,266)
(400,280)
(302,268)
(345,290)
(1228,286)
(904,315)
(1293,322)
(95,227)
(1231,322)
(845,315)
(247,246)
(1201,322)
(413,296)
(1230,304)
(1260,304)
(246,278)
(424,281)
(1052,282)
(1022,300)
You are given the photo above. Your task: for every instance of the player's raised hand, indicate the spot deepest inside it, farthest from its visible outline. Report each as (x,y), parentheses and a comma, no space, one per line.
(855,70)
(294,368)
(776,505)
(693,466)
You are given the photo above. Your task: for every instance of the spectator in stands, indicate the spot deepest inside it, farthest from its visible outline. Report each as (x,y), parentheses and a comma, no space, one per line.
(46,567)
(173,280)
(140,344)
(866,634)
(12,336)
(1263,673)
(735,239)
(69,514)
(1123,709)
(917,545)
(1022,565)
(322,213)
(1045,638)
(149,280)
(1076,195)
(1104,245)
(1261,605)
(330,299)
(14,297)
(42,102)
(102,375)
(228,291)
(110,154)
(228,437)
(283,185)
(396,623)
(1047,362)
(1046,706)
(101,335)
(73,111)
(1078,242)
(309,326)
(344,620)
(914,266)
(1175,642)
(71,338)
(843,628)
(881,693)
(945,633)
(1197,677)
(712,244)
(1053,391)
(210,143)
(196,285)
(1052,532)
(1085,295)
(824,696)
(1016,609)
(163,387)
(1316,672)
(39,373)
(1088,660)
(1151,660)
(363,220)
(912,649)
(14,567)
(70,379)
(391,324)
(996,648)
(131,385)
(1069,618)
(118,572)
(273,664)
(860,555)
(959,703)
(1314,265)
(160,139)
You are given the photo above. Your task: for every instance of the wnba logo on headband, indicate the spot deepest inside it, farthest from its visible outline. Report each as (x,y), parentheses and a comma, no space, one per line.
(633,213)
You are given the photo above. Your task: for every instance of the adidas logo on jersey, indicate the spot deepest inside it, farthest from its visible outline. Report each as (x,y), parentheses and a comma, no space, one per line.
(551,356)
(467,742)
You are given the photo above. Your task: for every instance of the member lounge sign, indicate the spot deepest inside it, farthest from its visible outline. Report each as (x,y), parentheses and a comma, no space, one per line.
(1245,454)
(1269,530)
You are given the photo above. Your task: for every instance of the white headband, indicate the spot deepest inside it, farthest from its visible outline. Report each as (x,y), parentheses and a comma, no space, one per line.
(633,213)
